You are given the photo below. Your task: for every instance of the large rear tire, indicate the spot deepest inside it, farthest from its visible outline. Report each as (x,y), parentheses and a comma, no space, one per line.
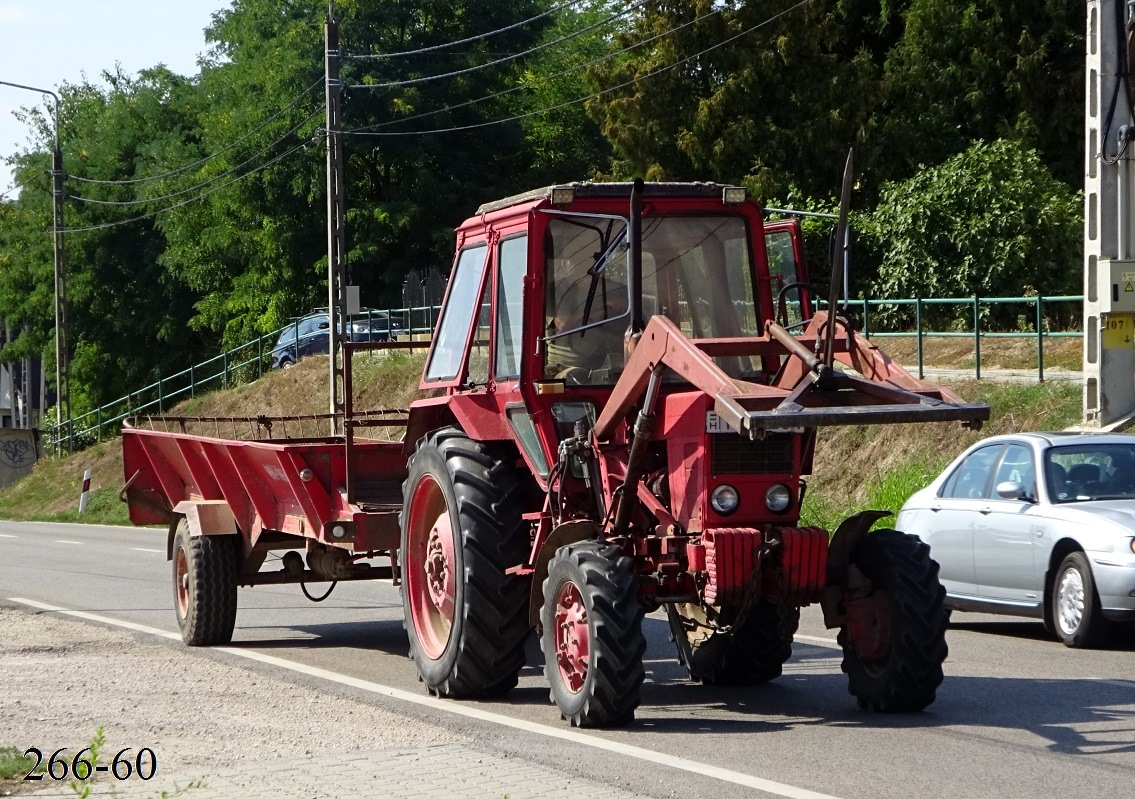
(204,586)
(592,634)
(466,618)
(753,653)
(894,662)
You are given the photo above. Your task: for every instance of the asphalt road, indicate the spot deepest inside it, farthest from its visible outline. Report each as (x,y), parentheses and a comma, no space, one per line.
(1018,715)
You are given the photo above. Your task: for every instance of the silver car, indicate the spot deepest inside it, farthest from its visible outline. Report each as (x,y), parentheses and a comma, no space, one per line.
(1036,524)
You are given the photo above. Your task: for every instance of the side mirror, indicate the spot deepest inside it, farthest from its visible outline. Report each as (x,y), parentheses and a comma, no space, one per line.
(324,325)
(1011,489)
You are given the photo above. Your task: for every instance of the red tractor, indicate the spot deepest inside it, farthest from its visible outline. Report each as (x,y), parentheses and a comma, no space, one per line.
(628,382)
(633,382)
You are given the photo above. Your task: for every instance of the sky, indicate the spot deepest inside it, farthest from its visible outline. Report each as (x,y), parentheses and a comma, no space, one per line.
(44,43)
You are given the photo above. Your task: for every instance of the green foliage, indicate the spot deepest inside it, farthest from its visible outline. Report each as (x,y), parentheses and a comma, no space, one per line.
(990,221)
(985,69)
(13,764)
(885,490)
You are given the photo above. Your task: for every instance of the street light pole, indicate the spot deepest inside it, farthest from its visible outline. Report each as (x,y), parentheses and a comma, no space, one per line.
(62,366)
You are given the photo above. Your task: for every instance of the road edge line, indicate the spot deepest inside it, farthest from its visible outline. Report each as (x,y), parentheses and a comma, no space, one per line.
(449,706)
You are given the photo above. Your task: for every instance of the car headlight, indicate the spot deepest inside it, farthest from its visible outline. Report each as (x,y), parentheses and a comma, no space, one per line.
(778,498)
(725,499)
(1133,544)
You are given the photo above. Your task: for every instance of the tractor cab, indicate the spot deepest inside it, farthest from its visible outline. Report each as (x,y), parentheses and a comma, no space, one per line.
(545,302)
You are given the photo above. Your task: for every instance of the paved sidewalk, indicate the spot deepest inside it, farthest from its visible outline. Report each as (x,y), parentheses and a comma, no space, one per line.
(452,771)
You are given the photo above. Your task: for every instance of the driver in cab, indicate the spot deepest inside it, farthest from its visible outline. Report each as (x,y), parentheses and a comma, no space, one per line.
(585,332)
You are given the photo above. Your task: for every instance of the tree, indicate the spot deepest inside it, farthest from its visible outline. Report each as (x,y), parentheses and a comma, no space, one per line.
(986,69)
(991,221)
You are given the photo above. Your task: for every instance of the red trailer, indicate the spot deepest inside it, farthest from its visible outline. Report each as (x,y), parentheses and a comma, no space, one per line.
(228,502)
(630,380)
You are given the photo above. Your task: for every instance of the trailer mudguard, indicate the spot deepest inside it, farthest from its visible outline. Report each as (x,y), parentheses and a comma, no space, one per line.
(204,517)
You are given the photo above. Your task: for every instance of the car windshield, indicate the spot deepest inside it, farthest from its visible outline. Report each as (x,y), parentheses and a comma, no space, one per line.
(1086,472)
(696,270)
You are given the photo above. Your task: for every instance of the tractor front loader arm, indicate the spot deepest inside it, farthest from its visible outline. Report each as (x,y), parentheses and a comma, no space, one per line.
(807,393)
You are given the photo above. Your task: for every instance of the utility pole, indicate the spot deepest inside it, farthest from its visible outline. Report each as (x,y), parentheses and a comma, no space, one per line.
(62,364)
(336,222)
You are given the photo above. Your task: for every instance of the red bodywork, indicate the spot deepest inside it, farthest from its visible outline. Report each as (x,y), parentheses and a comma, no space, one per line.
(278,493)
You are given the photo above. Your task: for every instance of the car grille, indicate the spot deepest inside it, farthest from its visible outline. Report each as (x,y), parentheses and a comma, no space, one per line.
(734,454)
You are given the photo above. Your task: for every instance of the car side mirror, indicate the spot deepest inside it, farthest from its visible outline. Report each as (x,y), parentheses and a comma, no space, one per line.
(1011,489)
(324,325)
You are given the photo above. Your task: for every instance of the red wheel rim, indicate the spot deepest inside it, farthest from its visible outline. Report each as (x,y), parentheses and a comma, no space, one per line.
(181,583)
(573,637)
(431,567)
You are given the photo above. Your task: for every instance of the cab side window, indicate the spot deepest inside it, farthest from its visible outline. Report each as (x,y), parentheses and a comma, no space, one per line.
(970,480)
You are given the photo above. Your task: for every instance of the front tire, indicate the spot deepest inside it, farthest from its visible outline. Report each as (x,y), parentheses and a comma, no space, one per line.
(204,586)
(751,654)
(1076,613)
(895,641)
(466,618)
(592,634)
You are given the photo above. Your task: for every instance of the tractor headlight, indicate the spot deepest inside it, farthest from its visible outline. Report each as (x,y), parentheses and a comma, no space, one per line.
(725,499)
(778,498)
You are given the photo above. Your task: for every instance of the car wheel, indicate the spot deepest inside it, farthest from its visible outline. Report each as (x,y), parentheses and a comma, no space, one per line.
(1076,612)
(286,364)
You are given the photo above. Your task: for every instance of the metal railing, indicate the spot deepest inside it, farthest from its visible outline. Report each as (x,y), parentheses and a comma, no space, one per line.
(241,364)
(247,362)
(1037,320)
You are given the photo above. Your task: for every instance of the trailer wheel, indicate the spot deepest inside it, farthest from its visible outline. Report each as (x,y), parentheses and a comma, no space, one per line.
(204,586)
(466,618)
(751,654)
(895,640)
(592,634)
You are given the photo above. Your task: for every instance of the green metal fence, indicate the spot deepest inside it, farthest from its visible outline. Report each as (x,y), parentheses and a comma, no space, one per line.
(878,318)
(1040,324)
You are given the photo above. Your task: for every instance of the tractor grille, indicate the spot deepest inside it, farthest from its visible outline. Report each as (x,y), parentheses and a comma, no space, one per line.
(738,455)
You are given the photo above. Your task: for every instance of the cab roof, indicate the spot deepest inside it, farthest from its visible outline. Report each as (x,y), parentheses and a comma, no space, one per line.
(608,191)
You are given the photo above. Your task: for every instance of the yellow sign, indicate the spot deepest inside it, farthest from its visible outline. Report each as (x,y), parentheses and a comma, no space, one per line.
(1119,332)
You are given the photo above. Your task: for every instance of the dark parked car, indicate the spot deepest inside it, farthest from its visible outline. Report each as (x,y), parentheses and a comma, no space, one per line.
(1036,524)
(308,336)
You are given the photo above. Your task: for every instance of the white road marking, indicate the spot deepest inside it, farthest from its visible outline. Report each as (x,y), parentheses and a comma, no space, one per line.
(468,711)
(80,543)
(812,639)
(2,535)
(142,549)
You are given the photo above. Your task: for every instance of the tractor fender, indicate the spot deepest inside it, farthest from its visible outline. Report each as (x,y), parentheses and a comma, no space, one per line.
(204,517)
(843,542)
(566,533)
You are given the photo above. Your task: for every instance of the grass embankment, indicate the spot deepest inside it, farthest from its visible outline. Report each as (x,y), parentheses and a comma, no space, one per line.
(855,468)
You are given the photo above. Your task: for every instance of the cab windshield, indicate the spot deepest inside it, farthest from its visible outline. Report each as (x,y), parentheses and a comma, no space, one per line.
(696,271)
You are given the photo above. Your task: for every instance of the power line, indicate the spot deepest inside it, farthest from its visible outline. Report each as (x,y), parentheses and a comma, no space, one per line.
(551,77)
(207,158)
(204,183)
(506,59)
(262,167)
(476,38)
(577,101)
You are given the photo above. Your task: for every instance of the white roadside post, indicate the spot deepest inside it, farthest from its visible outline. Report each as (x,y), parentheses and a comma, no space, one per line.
(86,491)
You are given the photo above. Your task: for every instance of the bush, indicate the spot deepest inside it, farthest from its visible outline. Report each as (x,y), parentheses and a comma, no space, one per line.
(990,221)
